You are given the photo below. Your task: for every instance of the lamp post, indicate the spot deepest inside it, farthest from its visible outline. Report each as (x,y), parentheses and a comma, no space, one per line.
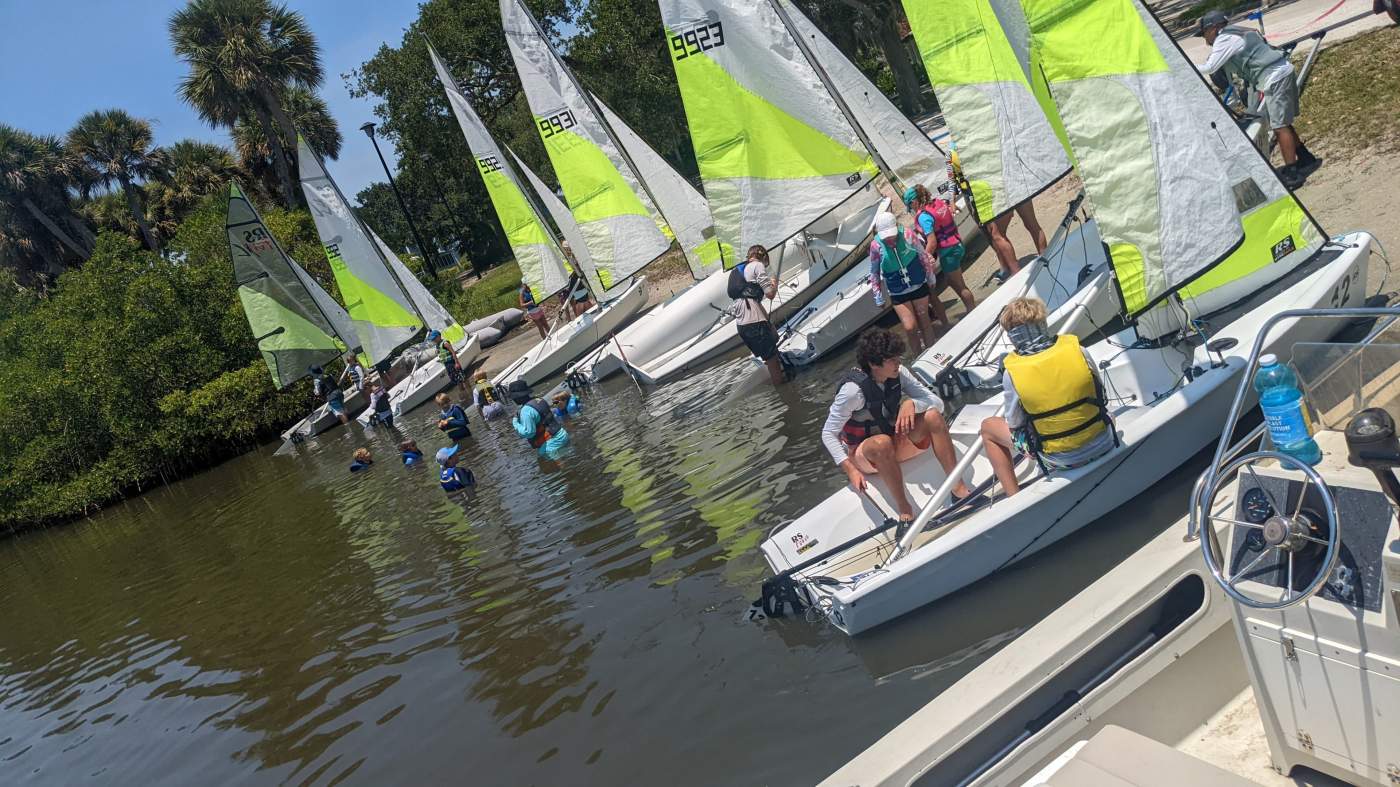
(423,249)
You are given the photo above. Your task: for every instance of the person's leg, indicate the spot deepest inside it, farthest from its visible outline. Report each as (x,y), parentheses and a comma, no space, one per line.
(996,438)
(1287,144)
(1026,210)
(930,427)
(959,285)
(940,312)
(879,453)
(925,325)
(540,323)
(775,370)
(1006,253)
(910,323)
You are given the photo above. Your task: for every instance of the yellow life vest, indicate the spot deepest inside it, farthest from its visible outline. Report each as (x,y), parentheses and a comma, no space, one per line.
(1060,397)
(487,391)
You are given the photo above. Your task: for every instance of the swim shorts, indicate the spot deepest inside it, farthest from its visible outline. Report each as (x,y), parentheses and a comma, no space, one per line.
(1281,102)
(918,292)
(761,338)
(951,258)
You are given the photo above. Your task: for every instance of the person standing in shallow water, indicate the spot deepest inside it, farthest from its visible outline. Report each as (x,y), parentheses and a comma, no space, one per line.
(749,284)
(535,421)
(328,391)
(883,416)
(452,420)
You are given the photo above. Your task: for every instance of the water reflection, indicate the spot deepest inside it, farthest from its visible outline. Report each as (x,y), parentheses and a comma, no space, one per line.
(572,621)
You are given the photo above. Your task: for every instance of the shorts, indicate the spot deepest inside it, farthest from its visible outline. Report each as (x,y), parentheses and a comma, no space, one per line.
(904,450)
(918,292)
(580,296)
(492,409)
(337,406)
(535,313)
(1281,102)
(951,258)
(454,373)
(761,338)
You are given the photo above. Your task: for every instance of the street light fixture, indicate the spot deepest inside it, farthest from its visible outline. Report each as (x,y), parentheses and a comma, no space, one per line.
(428,263)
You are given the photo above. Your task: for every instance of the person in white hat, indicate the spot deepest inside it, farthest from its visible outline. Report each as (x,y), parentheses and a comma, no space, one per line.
(900,269)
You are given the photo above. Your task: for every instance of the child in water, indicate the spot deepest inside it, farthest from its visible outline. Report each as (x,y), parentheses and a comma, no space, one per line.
(380,404)
(453,419)
(408,449)
(361,460)
(566,404)
(452,477)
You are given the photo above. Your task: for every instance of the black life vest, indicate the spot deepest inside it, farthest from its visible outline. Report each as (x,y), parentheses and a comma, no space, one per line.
(326,387)
(739,287)
(880,411)
(382,403)
(546,426)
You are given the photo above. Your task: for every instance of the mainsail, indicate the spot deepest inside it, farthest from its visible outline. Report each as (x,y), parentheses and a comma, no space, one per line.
(564,219)
(904,150)
(683,209)
(383,316)
(978,57)
(434,314)
(541,263)
(295,323)
(614,212)
(1183,201)
(775,151)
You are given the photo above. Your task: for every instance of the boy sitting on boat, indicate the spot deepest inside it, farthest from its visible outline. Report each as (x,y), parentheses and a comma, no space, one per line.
(882,416)
(1054,399)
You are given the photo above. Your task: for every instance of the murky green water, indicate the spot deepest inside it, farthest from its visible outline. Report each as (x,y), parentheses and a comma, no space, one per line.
(277,620)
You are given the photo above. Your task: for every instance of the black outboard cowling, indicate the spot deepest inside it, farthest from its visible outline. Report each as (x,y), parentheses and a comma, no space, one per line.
(1372,444)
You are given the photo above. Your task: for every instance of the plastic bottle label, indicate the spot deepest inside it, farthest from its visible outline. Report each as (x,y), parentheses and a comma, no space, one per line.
(1287,423)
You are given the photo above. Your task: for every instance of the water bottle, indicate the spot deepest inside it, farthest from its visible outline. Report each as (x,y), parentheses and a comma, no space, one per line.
(1285,410)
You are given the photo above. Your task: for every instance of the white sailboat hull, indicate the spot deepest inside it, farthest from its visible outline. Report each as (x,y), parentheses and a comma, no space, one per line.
(1155,438)
(322,419)
(424,382)
(568,342)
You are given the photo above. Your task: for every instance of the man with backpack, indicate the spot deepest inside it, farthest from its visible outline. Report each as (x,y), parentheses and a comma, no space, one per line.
(749,284)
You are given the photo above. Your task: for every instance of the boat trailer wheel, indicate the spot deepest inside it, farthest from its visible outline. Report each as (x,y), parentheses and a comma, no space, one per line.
(1281,532)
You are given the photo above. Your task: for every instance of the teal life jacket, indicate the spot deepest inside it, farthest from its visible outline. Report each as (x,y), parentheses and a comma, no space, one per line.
(900,266)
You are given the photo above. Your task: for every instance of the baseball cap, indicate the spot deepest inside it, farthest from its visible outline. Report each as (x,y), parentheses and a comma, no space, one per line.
(1212,19)
(434,336)
(885,225)
(519,391)
(909,195)
(445,454)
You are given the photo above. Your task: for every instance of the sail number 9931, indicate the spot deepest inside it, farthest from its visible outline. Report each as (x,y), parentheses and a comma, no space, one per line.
(556,123)
(700,38)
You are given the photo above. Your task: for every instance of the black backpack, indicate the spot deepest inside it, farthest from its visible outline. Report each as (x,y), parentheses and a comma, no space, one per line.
(739,287)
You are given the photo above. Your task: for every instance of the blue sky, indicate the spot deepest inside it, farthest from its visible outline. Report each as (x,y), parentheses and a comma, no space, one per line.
(60,59)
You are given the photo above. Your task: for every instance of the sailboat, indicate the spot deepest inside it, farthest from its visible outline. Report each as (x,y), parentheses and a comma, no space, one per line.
(295,322)
(543,266)
(388,306)
(781,166)
(1197,277)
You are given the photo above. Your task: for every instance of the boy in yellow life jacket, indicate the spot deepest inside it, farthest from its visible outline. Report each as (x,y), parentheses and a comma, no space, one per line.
(1054,399)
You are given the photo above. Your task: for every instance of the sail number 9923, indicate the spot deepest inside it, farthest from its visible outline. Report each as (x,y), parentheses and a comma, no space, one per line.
(700,38)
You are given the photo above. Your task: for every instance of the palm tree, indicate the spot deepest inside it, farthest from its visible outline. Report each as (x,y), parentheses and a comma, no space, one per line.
(110,146)
(243,56)
(33,181)
(311,117)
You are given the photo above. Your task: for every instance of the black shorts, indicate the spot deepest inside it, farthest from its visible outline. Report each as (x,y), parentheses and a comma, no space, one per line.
(761,338)
(913,295)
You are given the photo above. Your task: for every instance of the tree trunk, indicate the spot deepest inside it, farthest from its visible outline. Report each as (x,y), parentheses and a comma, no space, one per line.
(49,225)
(906,83)
(80,228)
(279,154)
(284,122)
(138,212)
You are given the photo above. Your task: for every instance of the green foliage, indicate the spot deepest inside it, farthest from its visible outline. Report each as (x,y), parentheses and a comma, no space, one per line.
(498,289)
(1352,103)
(133,369)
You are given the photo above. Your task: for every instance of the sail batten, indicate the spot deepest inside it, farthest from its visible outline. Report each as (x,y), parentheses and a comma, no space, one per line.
(1184,202)
(384,317)
(295,323)
(775,151)
(615,214)
(541,262)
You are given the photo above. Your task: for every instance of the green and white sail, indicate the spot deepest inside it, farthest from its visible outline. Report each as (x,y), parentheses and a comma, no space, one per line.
(979,60)
(614,213)
(434,314)
(541,262)
(1183,201)
(906,152)
(684,211)
(775,151)
(383,315)
(295,323)
(563,219)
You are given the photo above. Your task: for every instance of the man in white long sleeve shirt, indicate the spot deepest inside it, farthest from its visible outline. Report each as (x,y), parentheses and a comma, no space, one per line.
(882,416)
(1244,54)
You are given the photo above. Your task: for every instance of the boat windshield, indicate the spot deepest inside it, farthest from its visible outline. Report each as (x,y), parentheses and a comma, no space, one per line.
(1344,378)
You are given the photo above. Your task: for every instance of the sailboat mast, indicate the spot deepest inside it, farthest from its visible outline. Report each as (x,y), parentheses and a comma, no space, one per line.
(831,89)
(587,98)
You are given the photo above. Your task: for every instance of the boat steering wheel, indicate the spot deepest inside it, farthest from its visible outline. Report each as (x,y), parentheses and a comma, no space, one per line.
(1285,533)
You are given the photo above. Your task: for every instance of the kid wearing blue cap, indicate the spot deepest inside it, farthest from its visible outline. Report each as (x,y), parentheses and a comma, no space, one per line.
(452,477)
